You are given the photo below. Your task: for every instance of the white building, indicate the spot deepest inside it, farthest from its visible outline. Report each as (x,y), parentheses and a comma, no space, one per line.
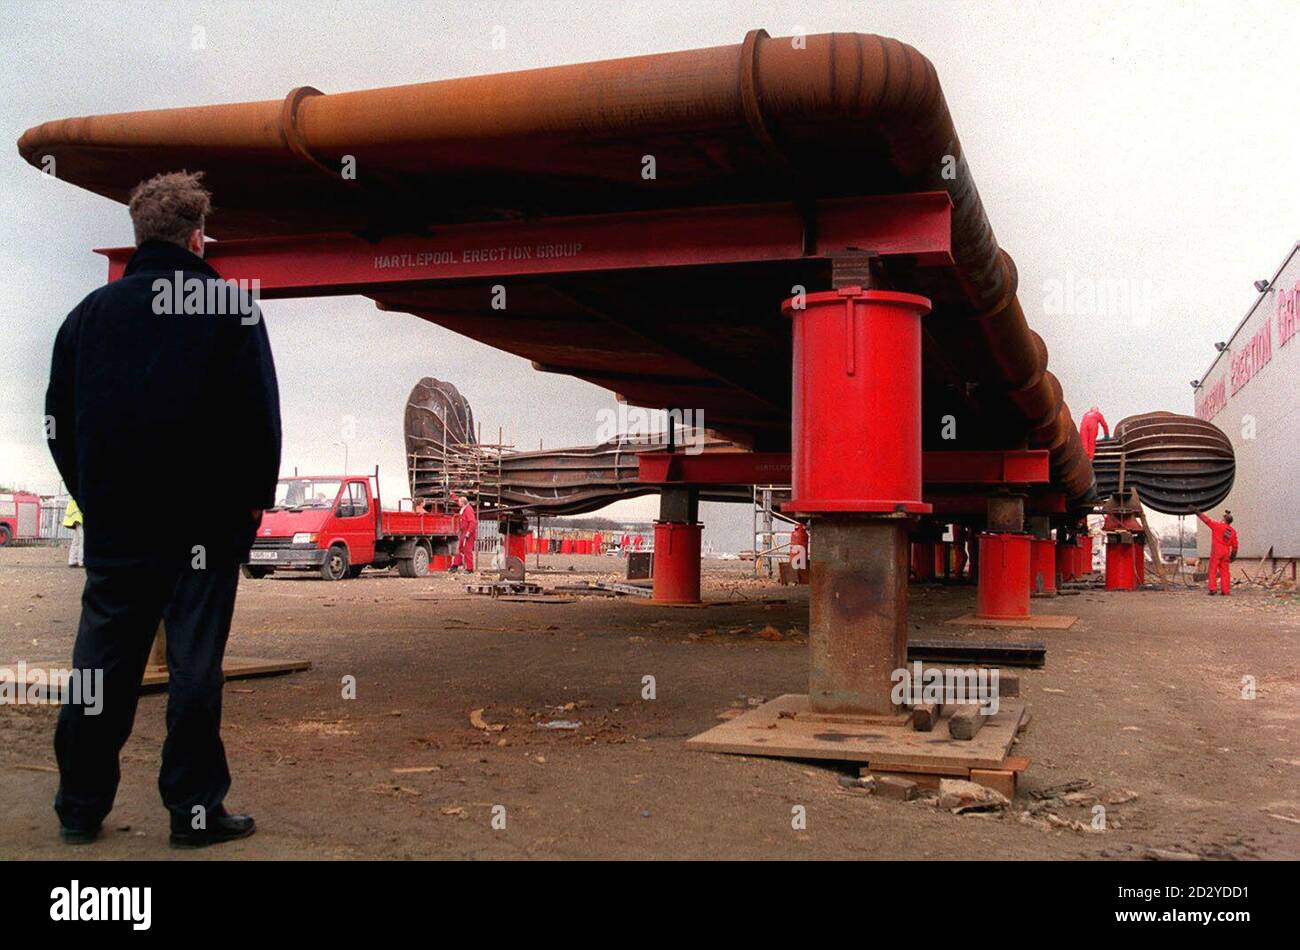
(1250,392)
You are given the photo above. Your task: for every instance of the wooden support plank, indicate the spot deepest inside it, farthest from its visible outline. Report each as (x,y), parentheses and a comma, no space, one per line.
(966,721)
(896,787)
(1000,780)
(234,667)
(783,728)
(1035,622)
(925,715)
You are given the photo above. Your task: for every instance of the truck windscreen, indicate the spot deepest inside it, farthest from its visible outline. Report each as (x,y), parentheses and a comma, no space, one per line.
(306,492)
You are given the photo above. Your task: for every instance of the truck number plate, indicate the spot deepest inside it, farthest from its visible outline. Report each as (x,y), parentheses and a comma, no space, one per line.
(261,556)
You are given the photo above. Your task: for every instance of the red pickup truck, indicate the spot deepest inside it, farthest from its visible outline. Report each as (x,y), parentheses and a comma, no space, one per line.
(335,525)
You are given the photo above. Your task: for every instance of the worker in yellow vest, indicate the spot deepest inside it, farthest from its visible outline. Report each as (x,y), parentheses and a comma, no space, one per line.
(72,519)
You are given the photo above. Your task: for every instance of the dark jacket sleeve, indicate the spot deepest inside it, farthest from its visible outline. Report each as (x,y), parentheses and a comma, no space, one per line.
(60,405)
(258,398)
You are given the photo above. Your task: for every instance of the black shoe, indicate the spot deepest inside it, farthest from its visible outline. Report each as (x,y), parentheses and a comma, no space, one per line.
(221,828)
(78,835)
(1213,592)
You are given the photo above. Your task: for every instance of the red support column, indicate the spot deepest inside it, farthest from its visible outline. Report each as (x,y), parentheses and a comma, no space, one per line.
(1121,573)
(1004,559)
(677,562)
(677,546)
(857,373)
(515,534)
(1085,553)
(1042,566)
(1067,556)
(1003,591)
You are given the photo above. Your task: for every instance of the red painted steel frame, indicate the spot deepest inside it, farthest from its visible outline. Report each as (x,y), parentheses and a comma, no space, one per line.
(1006,467)
(913,225)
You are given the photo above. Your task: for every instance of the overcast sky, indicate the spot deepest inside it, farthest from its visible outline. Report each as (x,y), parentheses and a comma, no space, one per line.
(1149,150)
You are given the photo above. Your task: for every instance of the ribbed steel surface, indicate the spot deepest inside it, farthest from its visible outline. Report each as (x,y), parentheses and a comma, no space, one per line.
(1179,464)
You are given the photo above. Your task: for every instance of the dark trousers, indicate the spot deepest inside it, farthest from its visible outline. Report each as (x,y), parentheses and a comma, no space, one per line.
(120,610)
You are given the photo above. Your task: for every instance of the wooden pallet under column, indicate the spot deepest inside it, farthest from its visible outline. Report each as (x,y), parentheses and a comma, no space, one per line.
(787,727)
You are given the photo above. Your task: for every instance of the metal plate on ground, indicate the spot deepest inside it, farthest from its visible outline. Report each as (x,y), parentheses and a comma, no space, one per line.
(783,728)
(1036,622)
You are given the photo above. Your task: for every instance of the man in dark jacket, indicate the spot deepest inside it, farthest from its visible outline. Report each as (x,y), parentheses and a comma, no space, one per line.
(162,386)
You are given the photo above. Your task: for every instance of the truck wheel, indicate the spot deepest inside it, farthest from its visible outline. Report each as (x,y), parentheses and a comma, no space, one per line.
(254,573)
(335,567)
(4,535)
(417,565)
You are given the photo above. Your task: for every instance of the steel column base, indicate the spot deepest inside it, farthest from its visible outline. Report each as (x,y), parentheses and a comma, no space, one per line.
(857,614)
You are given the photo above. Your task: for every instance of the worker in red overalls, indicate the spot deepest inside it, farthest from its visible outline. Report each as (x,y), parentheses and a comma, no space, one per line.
(1223,549)
(467,525)
(1088,425)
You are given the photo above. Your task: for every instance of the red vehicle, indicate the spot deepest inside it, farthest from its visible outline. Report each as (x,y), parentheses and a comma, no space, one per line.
(335,525)
(20,516)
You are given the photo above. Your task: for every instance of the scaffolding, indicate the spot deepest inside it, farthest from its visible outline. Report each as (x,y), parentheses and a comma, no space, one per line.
(471,470)
(767,549)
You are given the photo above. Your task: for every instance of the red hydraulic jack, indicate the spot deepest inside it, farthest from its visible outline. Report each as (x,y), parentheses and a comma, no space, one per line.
(1125,542)
(1083,564)
(1005,551)
(677,546)
(1042,559)
(1067,555)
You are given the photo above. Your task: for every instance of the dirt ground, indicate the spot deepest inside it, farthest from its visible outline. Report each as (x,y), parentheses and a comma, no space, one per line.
(1142,695)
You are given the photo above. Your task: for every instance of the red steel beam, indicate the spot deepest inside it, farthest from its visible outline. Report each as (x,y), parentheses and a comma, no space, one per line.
(915,225)
(977,505)
(1007,467)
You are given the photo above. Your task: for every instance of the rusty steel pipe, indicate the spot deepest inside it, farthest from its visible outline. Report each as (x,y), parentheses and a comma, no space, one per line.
(830,115)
